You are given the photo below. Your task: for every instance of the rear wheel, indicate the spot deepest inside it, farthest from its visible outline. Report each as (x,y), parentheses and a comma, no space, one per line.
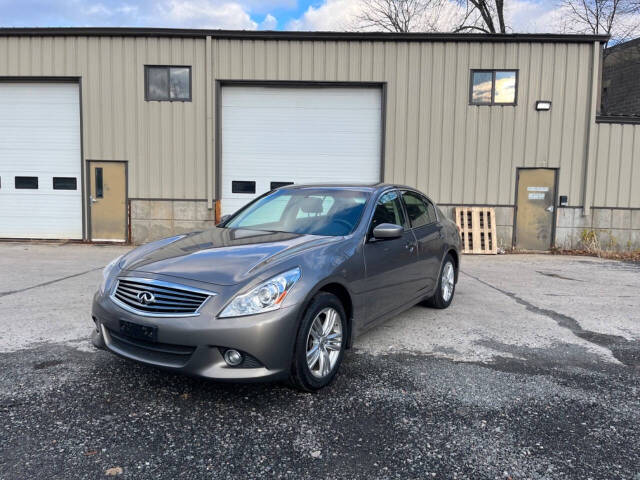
(446,285)
(319,344)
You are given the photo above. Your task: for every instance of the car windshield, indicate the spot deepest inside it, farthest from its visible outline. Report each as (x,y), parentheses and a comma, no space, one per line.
(313,211)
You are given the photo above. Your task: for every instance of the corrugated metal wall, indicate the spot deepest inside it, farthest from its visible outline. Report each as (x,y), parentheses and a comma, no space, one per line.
(164,142)
(617,165)
(434,139)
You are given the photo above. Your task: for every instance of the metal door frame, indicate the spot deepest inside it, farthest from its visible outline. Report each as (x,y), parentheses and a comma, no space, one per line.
(556,170)
(126,198)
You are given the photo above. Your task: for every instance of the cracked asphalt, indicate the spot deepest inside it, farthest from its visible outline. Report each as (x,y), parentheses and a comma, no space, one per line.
(532,373)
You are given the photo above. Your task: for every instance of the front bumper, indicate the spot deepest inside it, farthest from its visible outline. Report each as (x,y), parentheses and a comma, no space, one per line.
(194,345)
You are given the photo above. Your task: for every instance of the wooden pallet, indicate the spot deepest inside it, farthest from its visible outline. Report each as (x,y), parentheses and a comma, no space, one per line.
(477,229)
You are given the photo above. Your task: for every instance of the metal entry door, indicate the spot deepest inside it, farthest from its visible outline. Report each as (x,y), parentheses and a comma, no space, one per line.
(535,208)
(108,201)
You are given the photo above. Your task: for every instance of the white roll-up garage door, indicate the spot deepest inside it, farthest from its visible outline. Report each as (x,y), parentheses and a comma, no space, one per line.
(40,172)
(276,135)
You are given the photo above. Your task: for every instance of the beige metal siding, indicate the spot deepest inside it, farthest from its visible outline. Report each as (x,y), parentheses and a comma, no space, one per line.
(164,142)
(617,165)
(434,139)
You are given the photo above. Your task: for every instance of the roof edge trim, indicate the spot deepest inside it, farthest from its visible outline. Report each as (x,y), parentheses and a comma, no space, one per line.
(291,35)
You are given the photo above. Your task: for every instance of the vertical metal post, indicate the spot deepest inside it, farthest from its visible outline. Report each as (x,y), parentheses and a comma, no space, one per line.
(589,168)
(209,96)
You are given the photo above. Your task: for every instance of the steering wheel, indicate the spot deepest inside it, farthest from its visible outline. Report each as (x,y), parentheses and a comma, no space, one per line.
(345,223)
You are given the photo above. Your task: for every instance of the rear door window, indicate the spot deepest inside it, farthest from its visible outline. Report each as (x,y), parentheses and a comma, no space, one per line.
(418,210)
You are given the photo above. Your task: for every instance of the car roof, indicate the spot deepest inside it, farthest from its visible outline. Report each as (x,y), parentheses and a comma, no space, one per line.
(371,187)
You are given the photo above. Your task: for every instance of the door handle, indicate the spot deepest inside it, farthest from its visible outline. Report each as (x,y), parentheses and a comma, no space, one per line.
(410,246)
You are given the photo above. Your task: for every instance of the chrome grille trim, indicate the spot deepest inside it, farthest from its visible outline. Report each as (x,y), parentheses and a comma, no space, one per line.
(172,299)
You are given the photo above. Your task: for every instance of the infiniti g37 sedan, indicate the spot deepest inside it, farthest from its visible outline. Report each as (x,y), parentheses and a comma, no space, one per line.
(280,289)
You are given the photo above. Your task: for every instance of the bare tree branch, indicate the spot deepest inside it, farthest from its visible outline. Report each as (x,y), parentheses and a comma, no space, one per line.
(485,16)
(397,15)
(618,18)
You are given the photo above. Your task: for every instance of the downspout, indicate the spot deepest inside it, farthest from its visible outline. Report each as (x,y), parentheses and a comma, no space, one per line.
(589,167)
(209,170)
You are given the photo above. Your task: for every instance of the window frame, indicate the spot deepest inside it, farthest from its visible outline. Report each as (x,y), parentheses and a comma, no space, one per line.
(426,200)
(168,99)
(493,72)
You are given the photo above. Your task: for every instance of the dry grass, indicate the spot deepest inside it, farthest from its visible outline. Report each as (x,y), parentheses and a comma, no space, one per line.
(592,247)
(633,256)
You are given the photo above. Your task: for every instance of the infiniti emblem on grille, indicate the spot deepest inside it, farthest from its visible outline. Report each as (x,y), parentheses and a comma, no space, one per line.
(146,298)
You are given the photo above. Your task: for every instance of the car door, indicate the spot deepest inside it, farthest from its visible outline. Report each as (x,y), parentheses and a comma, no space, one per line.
(390,263)
(429,236)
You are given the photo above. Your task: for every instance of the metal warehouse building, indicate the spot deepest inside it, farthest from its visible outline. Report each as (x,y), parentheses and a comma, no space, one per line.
(135,134)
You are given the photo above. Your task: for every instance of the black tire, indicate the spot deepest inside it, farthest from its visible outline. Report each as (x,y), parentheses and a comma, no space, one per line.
(301,376)
(438,300)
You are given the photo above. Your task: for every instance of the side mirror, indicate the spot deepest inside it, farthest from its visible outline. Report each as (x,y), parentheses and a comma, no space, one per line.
(224,218)
(387,230)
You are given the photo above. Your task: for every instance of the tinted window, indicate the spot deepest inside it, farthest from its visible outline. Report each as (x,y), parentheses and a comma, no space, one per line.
(65,183)
(481,89)
(157,83)
(243,186)
(505,88)
(179,83)
(388,210)
(431,210)
(493,87)
(99,183)
(26,183)
(417,209)
(168,83)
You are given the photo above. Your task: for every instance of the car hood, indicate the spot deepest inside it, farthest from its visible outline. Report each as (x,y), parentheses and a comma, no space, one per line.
(221,256)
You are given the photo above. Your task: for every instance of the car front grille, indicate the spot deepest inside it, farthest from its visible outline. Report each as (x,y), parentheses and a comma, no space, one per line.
(151,297)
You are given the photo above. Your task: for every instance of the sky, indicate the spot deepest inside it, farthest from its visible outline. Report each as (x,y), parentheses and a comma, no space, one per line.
(323,15)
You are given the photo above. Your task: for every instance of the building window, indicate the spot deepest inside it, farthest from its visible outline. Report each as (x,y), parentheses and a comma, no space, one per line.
(243,186)
(65,183)
(172,84)
(27,183)
(493,87)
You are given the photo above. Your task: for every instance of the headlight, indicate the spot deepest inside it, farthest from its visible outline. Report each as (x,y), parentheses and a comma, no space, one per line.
(265,297)
(106,273)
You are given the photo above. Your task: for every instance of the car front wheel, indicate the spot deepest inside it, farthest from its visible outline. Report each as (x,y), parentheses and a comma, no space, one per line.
(319,344)
(446,285)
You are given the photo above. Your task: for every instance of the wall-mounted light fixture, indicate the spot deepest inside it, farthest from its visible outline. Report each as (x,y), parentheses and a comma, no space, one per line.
(543,105)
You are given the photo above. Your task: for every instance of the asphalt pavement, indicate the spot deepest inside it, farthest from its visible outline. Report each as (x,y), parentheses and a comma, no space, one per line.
(532,373)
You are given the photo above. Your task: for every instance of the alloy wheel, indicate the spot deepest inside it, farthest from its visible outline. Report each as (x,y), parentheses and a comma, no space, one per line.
(324,342)
(448,280)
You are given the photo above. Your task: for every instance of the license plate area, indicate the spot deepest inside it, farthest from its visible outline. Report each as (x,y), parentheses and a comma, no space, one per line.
(139,332)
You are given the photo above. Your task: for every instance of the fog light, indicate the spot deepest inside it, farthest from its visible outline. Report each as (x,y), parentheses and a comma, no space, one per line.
(233,357)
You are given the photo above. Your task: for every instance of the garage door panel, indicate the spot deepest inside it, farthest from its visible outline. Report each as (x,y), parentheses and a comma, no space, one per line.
(321,98)
(40,136)
(300,135)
